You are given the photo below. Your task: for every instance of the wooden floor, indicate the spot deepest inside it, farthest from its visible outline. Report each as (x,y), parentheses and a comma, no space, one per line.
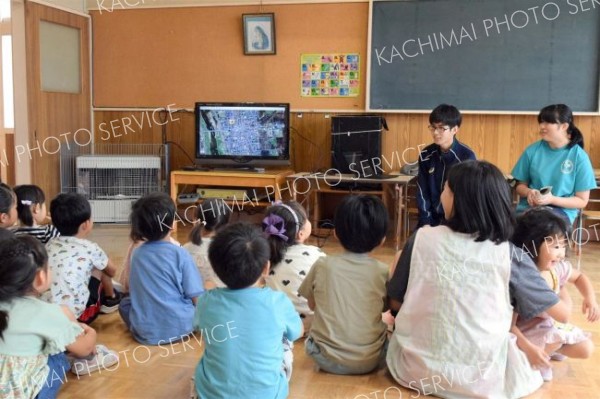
(165,372)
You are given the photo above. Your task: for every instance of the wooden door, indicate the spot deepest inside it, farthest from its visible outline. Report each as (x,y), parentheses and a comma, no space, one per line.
(58,116)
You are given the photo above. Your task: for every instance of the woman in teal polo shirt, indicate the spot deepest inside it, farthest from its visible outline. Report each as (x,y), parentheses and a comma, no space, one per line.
(557,161)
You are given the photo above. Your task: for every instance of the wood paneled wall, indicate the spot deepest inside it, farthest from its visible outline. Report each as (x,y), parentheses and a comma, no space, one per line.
(155,57)
(499,139)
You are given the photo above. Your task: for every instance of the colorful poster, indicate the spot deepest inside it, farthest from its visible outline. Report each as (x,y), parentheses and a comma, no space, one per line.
(330,75)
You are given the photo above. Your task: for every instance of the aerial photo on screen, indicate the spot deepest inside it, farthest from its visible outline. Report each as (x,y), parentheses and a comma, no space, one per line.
(230,131)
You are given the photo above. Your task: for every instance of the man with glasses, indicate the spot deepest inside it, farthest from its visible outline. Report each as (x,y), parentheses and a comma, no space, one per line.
(435,161)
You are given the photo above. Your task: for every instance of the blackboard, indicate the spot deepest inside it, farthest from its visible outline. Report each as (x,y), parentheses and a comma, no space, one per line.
(484,55)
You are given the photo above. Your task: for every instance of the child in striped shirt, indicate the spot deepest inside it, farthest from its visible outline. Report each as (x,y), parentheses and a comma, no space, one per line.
(33,215)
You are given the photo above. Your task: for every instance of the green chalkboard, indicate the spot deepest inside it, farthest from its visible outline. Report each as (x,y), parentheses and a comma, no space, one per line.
(484,55)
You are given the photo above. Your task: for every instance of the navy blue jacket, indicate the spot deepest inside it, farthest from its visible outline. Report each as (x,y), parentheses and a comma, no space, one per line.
(433,169)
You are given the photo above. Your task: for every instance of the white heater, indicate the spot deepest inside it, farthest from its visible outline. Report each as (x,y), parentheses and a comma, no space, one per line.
(112,183)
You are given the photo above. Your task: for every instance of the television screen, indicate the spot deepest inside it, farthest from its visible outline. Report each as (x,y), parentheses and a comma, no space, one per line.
(242,133)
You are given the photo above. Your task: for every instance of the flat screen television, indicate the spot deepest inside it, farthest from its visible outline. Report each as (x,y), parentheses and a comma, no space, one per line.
(243,135)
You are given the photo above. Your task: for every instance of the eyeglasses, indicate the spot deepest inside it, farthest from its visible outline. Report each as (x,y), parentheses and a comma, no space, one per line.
(438,129)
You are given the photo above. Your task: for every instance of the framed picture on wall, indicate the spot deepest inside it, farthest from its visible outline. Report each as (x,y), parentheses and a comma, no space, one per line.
(259,33)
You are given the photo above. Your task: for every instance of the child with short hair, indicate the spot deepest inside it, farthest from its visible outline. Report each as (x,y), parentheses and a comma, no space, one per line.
(287,227)
(347,292)
(33,215)
(34,333)
(81,270)
(244,351)
(211,215)
(542,234)
(436,159)
(164,283)
(8,207)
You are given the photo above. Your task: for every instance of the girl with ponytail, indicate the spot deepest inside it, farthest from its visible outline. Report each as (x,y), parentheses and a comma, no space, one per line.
(33,214)
(555,171)
(34,334)
(287,227)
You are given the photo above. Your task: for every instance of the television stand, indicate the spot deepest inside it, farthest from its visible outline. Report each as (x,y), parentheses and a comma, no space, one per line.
(273,182)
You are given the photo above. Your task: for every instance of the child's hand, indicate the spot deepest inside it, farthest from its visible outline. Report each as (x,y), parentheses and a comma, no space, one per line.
(87,330)
(591,310)
(538,358)
(85,344)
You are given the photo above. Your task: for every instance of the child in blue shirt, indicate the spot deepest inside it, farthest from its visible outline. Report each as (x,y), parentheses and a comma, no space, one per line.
(244,325)
(436,159)
(164,282)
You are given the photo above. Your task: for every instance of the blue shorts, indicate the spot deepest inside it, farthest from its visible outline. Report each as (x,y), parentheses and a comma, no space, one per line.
(59,365)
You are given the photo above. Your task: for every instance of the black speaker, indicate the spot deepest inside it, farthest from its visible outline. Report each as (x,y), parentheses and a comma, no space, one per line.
(356,144)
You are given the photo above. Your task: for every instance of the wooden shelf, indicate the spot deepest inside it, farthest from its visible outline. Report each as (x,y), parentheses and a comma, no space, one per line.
(273,181)
(317,187)
(330,190)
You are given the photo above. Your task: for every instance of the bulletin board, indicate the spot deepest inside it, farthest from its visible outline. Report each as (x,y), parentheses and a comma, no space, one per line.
(330,75)
(154,57)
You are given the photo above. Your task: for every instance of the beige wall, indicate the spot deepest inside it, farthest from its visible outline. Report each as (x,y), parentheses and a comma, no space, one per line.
(23,168)
(110,5)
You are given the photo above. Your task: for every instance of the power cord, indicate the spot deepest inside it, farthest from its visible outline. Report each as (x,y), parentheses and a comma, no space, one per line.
(317,148)
(322,239)
(182,150)
(163,116)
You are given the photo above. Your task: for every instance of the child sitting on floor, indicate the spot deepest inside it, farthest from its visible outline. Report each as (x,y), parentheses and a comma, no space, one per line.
(8,207)
(34,333)
(81,270)
(542,234)
(286,226)
(244,325)
(455,288)
(211,215)
(122,283)
(33,216)
(347,292)
(164,283)
(81,273)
